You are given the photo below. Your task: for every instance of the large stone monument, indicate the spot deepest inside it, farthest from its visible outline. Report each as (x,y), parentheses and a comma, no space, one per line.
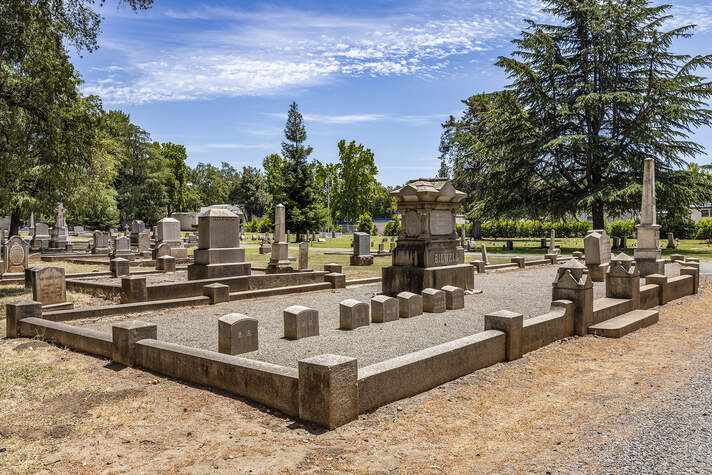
(40,237)
(427,253)
(362,250)
(219,253)
(279,262)
(59,237)
(647,254)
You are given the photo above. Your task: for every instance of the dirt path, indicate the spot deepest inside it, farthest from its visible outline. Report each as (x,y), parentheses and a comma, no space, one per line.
(560,408)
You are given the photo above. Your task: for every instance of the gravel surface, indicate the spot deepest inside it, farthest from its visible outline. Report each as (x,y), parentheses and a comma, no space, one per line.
(197,327)
(675,438)
(527,292)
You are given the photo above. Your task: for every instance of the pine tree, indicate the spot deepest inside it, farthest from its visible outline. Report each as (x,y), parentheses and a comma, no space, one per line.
(592,95)
(303,206)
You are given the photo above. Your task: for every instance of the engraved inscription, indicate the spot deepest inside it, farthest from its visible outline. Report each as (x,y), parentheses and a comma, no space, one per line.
(445,258)
(440,222)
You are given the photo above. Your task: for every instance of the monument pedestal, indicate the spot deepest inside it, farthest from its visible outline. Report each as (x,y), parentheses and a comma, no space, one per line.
(414,279)
(361,260)
(647,255)
(216,262)
(279,263)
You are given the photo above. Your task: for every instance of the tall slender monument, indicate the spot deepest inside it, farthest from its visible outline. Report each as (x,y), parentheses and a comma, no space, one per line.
(279,262)
(647,254)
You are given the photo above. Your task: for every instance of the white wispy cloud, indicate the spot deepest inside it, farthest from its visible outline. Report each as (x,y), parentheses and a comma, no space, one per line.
(339,119)
(273,50)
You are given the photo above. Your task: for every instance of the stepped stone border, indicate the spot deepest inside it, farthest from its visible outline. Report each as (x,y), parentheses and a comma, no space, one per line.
(341,389)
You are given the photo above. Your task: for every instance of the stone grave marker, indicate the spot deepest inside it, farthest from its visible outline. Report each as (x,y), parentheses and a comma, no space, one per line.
(361,250)
(40,238)
(303,256)
(16,254)
(48,285)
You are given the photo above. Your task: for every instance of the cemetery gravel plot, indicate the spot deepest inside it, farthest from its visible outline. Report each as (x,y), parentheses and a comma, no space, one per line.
(198,327)
(570,406)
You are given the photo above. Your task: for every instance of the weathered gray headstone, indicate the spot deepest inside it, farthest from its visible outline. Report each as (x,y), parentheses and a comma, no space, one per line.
(597,247)
(237,334)
(100,243)
(16,254)
(300,322)
(353,314)
(485,258)
(168,230)
(144,241)
(40,238)
(48,285)
(303,255)
(361,250)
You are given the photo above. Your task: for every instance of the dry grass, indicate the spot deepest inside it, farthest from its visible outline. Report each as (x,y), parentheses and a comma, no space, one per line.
(68,412)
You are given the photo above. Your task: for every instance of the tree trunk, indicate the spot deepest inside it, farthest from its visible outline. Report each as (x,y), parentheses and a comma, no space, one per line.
(15,223)
(597,215)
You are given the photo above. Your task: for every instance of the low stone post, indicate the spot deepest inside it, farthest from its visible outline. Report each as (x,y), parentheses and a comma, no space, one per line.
(433,301)
(328,390)
(695,273)
(133,289)
(662,282)
(125,335)
(353,314)
(479,266)
(623,279)
(409,304)
(338,281)
(384,309)
(16,311)
(573,284)
(333,267)
(300,322)
(512,324)
(119,267)
(166,264)
(218,293)
(237,334)
(454,297)
(677,258)
(519,260)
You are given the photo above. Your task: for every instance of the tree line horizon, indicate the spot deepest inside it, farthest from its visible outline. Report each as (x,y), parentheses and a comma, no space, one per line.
(588,100)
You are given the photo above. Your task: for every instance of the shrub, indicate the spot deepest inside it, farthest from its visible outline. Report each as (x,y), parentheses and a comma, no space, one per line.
(622,228)
(703,229)
(365,223)
(393,228)
(374,230)
(533,228)
(681,226)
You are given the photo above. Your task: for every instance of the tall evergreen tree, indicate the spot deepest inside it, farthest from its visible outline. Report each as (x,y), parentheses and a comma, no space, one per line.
(303,206)
(177,176)
(593,94)
(141,173)
(252,193)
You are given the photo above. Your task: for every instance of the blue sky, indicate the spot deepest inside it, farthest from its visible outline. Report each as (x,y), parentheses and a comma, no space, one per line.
(219,77)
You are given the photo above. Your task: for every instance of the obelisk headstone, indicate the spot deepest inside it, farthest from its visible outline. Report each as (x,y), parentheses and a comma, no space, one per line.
(647,254)
(279,262)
